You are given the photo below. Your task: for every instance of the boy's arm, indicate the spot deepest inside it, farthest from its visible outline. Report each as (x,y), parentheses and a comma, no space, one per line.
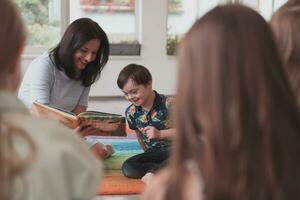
(154,133)
(167,134)
(140,139)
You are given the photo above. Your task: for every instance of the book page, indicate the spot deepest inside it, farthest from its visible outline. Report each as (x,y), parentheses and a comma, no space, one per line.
(68,119)
(106,124)
(100,114)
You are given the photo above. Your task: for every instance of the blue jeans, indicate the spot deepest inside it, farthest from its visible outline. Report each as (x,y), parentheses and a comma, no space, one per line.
(149,161)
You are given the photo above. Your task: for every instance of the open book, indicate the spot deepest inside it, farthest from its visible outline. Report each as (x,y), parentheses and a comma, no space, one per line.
(105,124)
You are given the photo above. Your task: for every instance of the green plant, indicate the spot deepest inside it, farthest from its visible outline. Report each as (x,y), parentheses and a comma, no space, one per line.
(174,5)
(39,28)
(172,42)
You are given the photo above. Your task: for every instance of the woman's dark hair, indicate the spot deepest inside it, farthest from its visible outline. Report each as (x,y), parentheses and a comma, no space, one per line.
(138,73)
(235,114)
(285,23)
(77,34)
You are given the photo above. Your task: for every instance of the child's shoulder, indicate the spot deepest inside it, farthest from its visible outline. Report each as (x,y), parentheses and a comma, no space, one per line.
(168,100)
(130,109)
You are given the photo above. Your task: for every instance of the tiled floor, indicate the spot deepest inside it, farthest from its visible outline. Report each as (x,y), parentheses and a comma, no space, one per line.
(117,197)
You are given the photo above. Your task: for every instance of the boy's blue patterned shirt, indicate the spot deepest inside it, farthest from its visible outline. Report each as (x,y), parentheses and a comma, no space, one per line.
(158,117)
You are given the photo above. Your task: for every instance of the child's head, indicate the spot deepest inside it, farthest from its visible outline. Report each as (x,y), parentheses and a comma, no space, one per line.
(227,115)
(12,40)
(13,162)
(139,74)
(136,83)
(285,23)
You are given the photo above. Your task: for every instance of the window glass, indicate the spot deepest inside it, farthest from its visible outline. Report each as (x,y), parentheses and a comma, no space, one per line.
(252,3)
(42,20)
(181,16)
(116,17)
(265,8)
(277,4)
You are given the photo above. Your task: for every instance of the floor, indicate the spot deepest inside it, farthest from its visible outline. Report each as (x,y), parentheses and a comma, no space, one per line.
(132,147)
(117,197)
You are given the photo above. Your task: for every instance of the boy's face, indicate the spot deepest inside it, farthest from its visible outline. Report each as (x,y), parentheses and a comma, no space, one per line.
(137,94)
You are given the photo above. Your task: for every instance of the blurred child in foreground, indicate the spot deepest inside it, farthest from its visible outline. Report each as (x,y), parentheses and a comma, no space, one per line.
(236,117)
(39,159)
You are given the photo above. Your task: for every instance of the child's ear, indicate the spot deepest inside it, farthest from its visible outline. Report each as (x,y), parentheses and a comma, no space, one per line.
(148,85)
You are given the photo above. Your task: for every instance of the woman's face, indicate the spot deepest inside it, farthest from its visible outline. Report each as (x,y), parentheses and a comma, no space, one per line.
(86,54)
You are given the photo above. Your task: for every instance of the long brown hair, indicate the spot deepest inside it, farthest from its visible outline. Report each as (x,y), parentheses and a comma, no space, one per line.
(235,113)
(285,23)
(76,35)
(12,35)
(12,162)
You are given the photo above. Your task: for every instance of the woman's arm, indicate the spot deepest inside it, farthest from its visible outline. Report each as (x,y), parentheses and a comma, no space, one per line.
(40,78)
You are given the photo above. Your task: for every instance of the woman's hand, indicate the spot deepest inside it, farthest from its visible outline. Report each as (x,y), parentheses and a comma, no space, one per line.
(79,109)
(85,130)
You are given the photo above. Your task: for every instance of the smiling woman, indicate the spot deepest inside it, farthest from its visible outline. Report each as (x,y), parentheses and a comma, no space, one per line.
(63,76)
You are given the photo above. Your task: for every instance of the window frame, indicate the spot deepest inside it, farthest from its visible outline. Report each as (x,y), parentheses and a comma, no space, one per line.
(117,49)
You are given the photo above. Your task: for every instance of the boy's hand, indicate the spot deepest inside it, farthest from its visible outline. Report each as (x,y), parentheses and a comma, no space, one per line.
(152,132)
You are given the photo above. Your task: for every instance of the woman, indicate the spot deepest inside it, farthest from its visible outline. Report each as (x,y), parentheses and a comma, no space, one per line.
(238,138)
(39,159)
(285,23)
(63,76)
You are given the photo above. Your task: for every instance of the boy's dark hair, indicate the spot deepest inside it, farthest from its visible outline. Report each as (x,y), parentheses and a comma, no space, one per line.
(77,34)
(138,73)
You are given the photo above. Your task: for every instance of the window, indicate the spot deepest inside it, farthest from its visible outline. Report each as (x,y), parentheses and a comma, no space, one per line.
(42,19)
(252,3)
(116,17)
(264,7)
(46,19)
(277,4)
(181,16)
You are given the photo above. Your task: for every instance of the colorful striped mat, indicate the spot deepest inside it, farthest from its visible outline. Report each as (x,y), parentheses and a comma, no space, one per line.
(114,182)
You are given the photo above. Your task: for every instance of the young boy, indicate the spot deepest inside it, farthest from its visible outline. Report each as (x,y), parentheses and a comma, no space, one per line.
(148,115)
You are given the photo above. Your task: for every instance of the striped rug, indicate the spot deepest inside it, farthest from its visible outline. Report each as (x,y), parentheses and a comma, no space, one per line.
(114,182)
